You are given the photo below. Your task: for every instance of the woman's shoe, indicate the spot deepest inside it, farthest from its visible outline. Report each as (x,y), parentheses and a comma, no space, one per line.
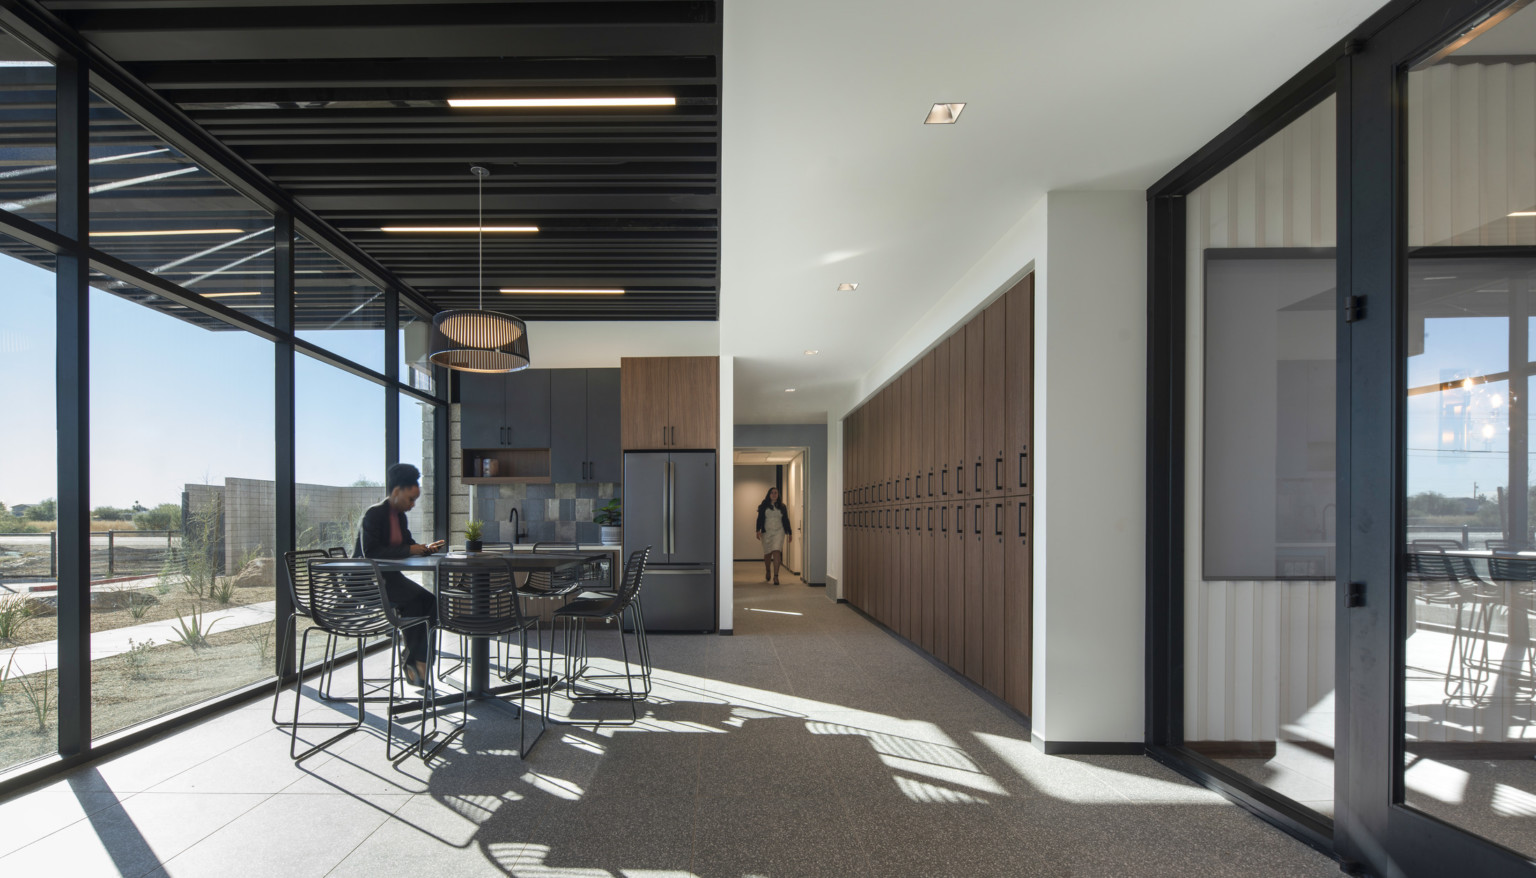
(775,580)
(413,675)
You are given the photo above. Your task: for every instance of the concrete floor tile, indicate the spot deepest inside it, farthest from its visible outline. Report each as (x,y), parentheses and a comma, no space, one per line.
(298,835)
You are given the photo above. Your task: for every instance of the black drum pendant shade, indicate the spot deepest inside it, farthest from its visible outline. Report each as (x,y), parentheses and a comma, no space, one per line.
(479,340)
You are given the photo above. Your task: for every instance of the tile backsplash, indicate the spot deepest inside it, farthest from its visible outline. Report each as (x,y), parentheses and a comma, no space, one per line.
(561,511)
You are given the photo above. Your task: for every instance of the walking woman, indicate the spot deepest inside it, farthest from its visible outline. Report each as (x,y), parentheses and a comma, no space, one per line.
(774,530)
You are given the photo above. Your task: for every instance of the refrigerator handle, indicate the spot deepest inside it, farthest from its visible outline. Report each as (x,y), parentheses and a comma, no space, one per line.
(665,482)
(671,540)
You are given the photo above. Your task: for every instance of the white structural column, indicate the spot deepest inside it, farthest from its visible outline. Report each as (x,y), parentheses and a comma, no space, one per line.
(725,459)
(1090,472)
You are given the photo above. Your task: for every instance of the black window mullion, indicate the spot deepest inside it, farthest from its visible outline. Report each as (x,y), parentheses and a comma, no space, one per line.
(285,426)
(392,371)
(74,410)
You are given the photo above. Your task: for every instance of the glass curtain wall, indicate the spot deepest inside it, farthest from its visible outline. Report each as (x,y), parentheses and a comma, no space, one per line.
(183,457)
(1469,675)
(1260,466)
(29,657)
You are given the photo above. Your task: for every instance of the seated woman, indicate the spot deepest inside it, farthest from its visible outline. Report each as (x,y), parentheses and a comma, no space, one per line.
(384,535)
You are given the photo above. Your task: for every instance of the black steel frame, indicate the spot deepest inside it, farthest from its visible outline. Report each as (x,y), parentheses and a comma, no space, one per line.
(80,71)
(1373,832)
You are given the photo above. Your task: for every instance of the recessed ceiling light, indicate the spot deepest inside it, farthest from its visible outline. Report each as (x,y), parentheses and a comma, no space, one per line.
(458,228)
(568,291)
(847,288)
(944,114)
(161,232)
(563,102)
(789,390)
(812,353)
(1524,213)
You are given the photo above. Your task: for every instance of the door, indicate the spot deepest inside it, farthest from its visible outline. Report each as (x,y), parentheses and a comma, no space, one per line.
(994,548)
(975,594)
(976,404)
(643,406)
(1018,608)
(693,402)
(528,408)
(959,541)
(605,449)
(645,503)
(482,405)
(939,565)
(1019,386)
(1435,370)
(695,485)
(568,425)
(994,379)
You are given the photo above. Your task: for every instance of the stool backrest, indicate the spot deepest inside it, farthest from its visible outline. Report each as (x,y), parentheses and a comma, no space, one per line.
(477,597)
(634,576)
(348,598)
(297,564)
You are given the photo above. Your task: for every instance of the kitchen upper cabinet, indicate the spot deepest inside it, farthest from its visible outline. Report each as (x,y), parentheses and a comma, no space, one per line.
(670,403)
(605,451)
(584,417)
(504,411)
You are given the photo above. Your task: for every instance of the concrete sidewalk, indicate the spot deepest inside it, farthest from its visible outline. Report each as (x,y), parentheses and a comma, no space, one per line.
(33,657)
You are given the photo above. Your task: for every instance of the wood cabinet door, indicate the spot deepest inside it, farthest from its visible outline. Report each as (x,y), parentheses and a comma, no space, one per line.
(568,425)
(994,549)
(958,542)
(693,402)
(957,417)
(482,409)
(528,408)
(975,404)
(1019,386)
(1018,603)
(942,477)
(994,376)
(925,577)
(975,593)
(605,449)
(927,426)
(938,567)
(643,403)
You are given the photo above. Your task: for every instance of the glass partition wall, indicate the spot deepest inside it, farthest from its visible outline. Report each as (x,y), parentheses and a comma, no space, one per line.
(204,388)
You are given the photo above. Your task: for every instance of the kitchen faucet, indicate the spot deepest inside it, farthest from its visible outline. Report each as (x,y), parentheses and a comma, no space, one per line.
(513,518)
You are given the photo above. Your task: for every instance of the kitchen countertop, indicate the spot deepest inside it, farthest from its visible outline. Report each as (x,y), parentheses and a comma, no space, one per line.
(583,547)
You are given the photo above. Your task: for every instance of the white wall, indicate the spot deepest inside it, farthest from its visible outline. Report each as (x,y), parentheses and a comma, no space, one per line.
(726,460)
(834,522)
(597,344)
(1090,475)
(752,484)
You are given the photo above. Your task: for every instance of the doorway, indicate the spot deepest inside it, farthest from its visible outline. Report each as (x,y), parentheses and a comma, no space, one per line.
(757,470)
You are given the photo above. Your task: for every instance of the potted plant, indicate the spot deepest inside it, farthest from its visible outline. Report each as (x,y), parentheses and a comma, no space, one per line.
(611,517)
(472,532)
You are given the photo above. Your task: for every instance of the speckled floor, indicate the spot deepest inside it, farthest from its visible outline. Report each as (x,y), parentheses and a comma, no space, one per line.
(810,743)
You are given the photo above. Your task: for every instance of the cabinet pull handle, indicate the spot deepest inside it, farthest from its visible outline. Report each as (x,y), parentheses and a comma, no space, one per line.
(1022,482)
(943,519)
(1021,518)
(978,477)
(997,519)
(997,473)
(663,435)
(944,481)
(976,518)
(930,483)
(674,435)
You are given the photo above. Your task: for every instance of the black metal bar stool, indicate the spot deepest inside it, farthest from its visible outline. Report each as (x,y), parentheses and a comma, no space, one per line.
(575,616)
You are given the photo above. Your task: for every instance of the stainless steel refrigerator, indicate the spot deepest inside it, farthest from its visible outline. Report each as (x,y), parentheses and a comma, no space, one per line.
(669,505)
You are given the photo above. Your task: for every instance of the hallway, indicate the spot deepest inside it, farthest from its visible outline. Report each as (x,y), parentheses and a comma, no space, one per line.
(810,743)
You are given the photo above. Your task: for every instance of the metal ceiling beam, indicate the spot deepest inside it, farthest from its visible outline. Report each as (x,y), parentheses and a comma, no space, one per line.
(565,73)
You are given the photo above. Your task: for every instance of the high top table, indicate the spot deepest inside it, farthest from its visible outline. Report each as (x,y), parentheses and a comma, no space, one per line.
(480,687)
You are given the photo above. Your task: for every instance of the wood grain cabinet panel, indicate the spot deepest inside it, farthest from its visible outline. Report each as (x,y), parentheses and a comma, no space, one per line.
(994,379)
(975,593)
(670,403)
(1018,603)
(694,402)
(1020,386)
(643,387)
(994,589)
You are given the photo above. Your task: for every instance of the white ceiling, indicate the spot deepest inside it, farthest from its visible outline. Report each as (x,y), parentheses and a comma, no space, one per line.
(830,175)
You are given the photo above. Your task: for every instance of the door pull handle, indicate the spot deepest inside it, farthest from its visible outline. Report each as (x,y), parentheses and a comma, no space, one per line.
(997,519)
(1022,482)
(1021,519)
(997,473)
(978,477)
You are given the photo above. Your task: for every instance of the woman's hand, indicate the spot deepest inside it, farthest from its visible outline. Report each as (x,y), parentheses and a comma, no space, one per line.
(759,535)
(418,549)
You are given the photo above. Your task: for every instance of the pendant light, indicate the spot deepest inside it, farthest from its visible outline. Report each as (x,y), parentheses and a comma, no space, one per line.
(479,340)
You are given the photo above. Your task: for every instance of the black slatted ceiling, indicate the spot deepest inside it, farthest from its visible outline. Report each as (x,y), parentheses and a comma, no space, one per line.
(343,105)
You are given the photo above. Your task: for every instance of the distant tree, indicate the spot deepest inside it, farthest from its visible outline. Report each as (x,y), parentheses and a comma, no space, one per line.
(166,516)
(367,483)
(111,513)
(48,510)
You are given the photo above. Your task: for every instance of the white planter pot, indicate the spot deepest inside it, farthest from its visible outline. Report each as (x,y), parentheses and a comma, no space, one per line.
(612,536)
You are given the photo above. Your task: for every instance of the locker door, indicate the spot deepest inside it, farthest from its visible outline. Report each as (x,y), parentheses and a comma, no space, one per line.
(1018,601)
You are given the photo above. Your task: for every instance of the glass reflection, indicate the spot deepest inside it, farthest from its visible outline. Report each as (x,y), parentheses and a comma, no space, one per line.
(28,145)
(335,308)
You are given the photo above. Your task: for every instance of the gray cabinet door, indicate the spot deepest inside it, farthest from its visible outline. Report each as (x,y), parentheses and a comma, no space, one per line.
(482,408)
(568,425)
(605,449)
(527,415)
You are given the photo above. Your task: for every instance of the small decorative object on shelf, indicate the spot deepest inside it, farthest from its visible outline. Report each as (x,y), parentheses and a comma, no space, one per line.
(610,517)
(472,532)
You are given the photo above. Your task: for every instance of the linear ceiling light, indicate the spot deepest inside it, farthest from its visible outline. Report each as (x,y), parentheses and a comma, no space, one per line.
(1524,213)
(458,228)
(228,295)
(146,233)
(569,291)
(944,114)
(562,102)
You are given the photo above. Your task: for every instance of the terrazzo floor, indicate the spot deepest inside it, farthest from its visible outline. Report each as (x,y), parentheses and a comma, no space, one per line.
(810,743)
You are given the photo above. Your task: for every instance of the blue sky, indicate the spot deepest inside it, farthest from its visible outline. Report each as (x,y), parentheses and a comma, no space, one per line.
(174,404)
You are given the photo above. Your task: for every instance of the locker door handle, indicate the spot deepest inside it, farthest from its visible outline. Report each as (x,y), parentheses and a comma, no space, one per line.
(930,483)
(998,473)
(930,519)
(1022,482)
(978,477)
(997,519)
(943,519)
(1022,504)
(944,481)
(976,518)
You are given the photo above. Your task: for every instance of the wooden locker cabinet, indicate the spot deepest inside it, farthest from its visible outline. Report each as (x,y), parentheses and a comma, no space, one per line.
(994,587)
(975,593)
(1019,361)
(1018,603)
(670,402)
(994,408)
(975,404)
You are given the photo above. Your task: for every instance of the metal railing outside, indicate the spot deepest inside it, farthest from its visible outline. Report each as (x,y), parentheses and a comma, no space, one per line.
(115,554)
